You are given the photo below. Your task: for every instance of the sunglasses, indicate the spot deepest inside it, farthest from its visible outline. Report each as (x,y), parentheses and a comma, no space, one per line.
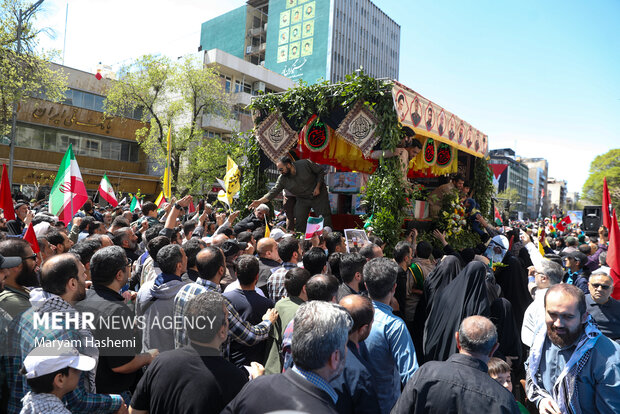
(33,257)
(598,285)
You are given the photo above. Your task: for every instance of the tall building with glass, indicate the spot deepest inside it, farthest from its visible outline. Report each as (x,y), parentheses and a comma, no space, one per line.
(309,39)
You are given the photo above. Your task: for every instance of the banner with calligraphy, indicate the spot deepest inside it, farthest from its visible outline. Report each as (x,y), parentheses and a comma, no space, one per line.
(57,115)
(275,136)
(432,121)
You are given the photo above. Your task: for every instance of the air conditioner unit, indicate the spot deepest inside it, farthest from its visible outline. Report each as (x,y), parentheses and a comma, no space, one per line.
(259,86)
(262,63)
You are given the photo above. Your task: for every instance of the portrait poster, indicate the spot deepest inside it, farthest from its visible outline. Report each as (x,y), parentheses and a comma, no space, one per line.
(355,240)
(296,15)
(430,120)
(293,51)
(285,18)
(283,36)
(282,53)
(295,33)
(308,29)
(306,47)
(308,10)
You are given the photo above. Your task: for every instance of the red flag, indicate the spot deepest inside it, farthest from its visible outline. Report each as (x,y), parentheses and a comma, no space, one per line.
(6,201)
(561,226)
(31,238)
(191,208)
(98,74)
(606,205)
(498,217)
(613,254)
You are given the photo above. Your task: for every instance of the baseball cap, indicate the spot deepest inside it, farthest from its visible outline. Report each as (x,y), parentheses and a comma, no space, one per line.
(8,262)
(46,359)
(231,247)
(276,234)
(578,256)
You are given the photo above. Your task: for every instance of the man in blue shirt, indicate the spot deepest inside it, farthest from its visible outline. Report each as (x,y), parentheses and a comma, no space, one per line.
(393,360)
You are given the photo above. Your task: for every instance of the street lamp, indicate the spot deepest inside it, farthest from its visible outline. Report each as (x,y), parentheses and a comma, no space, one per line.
(21,17)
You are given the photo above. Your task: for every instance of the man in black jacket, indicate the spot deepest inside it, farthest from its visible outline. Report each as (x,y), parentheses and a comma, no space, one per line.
(319,352)
(255,220)
(460,384)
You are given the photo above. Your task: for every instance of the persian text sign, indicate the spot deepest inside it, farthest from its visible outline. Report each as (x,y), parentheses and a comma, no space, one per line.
(431,120)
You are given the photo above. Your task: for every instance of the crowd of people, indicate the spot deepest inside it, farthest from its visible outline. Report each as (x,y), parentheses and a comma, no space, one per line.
(161,311)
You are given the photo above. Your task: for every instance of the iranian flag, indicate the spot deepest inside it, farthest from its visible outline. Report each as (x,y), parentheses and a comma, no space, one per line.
(68,192)
(314,225)
(107,192)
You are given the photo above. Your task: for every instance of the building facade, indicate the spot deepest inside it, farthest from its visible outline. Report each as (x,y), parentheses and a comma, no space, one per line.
(515,176)
(243,80)
(538,170)
(557,196)
(102,144)
(309,40)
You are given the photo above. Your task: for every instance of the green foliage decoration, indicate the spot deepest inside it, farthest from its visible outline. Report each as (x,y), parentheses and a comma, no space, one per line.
(254,179)
(385,195)
(482,186)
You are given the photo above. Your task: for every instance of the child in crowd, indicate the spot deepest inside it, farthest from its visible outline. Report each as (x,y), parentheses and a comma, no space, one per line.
(51,373)
(499,370)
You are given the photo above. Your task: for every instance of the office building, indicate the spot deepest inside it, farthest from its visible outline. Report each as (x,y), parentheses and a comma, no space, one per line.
(242,79)
(309,39)
(557,196)
(101,144)
(538,170)
(513,175)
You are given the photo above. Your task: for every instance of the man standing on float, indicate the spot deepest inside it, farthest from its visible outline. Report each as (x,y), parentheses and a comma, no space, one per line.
(306,181)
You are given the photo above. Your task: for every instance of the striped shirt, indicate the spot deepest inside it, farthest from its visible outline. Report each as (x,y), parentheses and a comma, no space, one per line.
(240,330)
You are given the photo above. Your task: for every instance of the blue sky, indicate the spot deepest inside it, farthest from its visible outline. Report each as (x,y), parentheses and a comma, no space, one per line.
(541,77)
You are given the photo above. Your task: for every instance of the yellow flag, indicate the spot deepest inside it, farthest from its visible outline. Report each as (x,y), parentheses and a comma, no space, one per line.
(267,231)
(232,179)
(168,173)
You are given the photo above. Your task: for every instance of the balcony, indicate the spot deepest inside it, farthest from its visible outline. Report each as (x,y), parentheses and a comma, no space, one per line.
(241,98)
(218,123)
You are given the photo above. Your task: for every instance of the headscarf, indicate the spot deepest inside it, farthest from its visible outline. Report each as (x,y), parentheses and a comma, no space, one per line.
(439,278)
(465,296)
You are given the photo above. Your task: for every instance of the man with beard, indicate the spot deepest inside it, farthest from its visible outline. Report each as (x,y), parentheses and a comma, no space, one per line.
(429,118)
(63,282)
(118,368)
(15,298)
(305,180)
(23,216)
(572,366)
(127,239)
(319,352)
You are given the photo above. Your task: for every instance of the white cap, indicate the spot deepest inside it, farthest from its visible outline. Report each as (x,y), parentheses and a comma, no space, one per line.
(276,234)
(46,359)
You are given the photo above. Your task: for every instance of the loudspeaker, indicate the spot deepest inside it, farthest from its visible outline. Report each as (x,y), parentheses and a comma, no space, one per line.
(592,219)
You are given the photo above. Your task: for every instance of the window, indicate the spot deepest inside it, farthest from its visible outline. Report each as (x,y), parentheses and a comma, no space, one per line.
(42,138)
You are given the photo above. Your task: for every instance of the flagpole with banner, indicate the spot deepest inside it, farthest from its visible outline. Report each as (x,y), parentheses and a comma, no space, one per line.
(167,173)
(68,191)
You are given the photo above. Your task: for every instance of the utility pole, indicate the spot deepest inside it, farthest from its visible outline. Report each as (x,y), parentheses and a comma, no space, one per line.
(21,17)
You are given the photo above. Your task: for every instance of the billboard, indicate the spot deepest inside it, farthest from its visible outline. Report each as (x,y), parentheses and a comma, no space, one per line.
(297,38)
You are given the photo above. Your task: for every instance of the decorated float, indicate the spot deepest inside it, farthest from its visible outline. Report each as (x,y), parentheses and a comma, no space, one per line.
(342,125)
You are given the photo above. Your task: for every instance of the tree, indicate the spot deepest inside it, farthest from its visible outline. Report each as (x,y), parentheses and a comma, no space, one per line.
(606,165)
(510,195)
(27,73)
(174,95)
